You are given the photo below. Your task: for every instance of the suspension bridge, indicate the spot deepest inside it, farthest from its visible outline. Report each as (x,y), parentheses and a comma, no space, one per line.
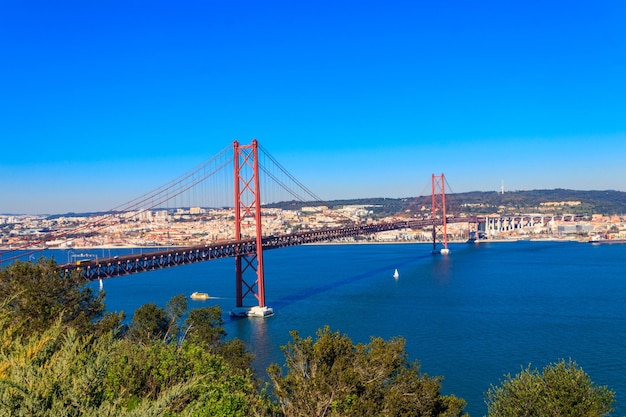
(249,163)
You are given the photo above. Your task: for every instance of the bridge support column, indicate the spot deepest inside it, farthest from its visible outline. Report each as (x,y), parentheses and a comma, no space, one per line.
(439,209)
(247,211)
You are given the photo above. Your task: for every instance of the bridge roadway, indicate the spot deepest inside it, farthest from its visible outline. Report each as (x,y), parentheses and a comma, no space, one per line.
(150,261)
(117,266)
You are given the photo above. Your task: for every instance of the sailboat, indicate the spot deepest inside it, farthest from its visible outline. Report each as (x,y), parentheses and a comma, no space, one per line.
(101,285)
(395,274)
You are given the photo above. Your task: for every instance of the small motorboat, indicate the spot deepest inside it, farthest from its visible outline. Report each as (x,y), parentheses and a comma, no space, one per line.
(199,296)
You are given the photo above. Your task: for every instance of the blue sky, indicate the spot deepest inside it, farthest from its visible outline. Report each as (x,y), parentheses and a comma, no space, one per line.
(102,101)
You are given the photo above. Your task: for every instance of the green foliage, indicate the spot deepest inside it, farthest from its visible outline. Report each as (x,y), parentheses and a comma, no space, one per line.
(60,373)
(333,377)
(174,310)
(204,326)
(149,322)
(234,352)
(38,295)
(148,370)
(561,389)
(109,323)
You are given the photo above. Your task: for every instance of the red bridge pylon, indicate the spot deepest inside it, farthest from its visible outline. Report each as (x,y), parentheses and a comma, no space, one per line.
(248,219)
(439,210)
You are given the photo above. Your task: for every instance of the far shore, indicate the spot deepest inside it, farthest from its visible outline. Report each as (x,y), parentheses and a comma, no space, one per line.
(364,242)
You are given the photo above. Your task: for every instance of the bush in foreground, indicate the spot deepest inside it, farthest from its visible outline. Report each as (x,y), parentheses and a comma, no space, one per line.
(38,295)
(58,372)
(561,389)
(333,377)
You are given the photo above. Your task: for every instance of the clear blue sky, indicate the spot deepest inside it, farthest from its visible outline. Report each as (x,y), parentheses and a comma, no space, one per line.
(101,101)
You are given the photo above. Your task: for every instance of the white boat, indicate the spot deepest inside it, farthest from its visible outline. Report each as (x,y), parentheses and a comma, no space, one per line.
(101,285)
(396,274)
(199,296)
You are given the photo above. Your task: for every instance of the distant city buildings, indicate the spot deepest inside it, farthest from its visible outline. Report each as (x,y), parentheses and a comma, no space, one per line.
(198,225)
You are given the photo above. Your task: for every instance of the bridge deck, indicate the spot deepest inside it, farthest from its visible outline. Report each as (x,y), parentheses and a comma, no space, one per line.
(131,264)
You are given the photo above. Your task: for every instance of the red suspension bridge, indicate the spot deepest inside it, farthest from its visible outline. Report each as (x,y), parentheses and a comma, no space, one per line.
(248,243)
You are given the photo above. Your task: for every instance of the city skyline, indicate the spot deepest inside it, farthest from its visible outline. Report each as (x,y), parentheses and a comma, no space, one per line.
(103,102)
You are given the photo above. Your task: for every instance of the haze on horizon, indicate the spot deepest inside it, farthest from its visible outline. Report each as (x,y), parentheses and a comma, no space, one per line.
(102,102)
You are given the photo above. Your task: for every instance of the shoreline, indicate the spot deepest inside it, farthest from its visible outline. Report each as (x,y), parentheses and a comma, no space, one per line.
(481,241)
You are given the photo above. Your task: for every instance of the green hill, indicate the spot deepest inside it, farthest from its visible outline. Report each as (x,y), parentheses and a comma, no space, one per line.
(482,202)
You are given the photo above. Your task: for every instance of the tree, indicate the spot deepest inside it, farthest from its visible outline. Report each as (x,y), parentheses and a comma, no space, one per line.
(38,294)
(144,372)
(175,309)
(333,377)
(58,372)
(149,322)
(561,389)
(152,322)
(204,328)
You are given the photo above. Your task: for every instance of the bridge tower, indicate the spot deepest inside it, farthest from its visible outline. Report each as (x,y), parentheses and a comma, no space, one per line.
(248,216)
(439,209)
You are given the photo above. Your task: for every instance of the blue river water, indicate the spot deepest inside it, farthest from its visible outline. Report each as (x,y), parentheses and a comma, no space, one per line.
(484,311)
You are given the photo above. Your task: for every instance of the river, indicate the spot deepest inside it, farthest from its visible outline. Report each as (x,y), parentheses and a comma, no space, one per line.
(483,311)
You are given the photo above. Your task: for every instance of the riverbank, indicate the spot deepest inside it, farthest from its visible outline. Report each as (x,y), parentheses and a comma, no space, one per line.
(338,242)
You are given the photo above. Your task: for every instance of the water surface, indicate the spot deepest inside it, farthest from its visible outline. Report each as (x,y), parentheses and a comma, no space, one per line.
(483,311)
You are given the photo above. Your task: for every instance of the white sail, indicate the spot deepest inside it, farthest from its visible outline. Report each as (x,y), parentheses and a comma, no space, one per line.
(101,285)
(396,274)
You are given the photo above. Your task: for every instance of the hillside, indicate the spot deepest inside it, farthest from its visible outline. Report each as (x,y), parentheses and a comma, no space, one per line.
(482,202)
